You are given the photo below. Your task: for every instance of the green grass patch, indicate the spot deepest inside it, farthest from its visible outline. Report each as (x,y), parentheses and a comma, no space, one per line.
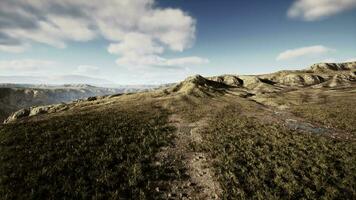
(265,161)
(101,154)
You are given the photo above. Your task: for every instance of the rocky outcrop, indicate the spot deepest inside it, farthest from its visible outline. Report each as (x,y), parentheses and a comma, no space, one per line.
(33,111)
(17,115)
(338,80)
(196,85)
(15,97)
(323,67)
(229,80)
(299,80)
(319,75)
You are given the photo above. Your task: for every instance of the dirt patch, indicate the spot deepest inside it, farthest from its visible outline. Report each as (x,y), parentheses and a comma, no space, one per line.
(195,178)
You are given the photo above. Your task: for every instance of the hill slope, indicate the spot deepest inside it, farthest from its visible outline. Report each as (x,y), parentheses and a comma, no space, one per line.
(286,135)
(16,96)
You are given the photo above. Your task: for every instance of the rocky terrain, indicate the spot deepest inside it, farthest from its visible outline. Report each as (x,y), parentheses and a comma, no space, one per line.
(284,135)
(14,97)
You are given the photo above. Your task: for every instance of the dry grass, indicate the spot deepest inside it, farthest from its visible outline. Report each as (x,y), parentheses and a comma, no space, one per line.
(102,154)
(265,161)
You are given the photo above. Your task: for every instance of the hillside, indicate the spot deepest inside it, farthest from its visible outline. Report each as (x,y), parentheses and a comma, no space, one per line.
(285,135)
(14,97)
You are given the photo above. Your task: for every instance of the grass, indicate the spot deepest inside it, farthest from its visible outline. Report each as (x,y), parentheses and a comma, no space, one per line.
(107,150)
(101,154)
(337,112)
(265,161)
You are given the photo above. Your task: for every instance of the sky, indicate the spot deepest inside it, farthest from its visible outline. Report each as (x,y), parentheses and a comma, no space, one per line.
(164,41)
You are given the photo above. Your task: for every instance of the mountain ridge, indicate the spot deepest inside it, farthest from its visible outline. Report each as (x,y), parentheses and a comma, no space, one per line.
(255,86)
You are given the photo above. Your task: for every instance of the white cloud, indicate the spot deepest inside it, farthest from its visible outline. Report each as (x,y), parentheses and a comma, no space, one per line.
(134,28)
(87,69)
(154,60)
(311,10)
(177,35)
(19,48)
(333,60)
(311,51)
(25,64)
(135,43)
(186,61)
(329,60)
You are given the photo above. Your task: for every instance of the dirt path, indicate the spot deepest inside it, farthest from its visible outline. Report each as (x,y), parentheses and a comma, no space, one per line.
(196,179)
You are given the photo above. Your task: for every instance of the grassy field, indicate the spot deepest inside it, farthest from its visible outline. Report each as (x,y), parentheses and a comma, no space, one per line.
(265,161)
(338,112)
(100,154)
(108,149)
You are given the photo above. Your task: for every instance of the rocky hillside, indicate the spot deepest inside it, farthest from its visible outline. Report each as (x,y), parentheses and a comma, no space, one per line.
(322,75)
(14,97)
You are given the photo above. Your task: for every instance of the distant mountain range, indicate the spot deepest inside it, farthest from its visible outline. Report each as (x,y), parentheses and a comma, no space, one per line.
(17,96)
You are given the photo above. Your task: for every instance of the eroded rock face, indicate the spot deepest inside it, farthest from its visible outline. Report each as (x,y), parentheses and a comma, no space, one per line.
(39,110)
(17,115)
(320,67)
(33,111)
(196,79)
(232,81)
(340,80)
(229,80)
(299,80)
(250,81)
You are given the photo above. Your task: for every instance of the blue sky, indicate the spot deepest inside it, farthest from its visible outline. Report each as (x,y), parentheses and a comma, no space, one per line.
(151,42)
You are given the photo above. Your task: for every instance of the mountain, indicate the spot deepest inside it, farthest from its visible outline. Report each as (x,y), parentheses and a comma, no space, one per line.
(284,135)
(18,96)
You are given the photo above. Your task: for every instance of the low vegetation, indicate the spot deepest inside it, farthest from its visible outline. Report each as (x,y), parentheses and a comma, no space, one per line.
(101,154)
(125,147)
(336,112)
(266,161)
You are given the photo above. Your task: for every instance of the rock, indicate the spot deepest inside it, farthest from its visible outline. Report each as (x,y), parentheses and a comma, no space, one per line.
(250,81)
(198,86)
(39,110)
(300,79)
(340,80)
(91,98)
(17,115)
(232,80)
(229,80)
(322,67)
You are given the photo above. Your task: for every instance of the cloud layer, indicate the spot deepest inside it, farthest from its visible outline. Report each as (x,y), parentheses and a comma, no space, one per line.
(25,64)
(310,51)
(311,10)
(135,29)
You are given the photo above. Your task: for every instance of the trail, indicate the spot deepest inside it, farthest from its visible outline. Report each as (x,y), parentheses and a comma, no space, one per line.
(197,179)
